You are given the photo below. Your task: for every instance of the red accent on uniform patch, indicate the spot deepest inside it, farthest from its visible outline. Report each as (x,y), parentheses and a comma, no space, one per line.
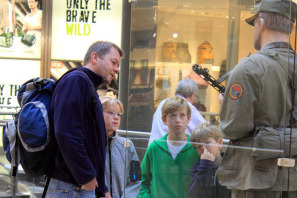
(235,91)
(236,88)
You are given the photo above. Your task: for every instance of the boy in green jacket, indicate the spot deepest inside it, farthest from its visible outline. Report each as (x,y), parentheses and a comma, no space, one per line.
(166,165)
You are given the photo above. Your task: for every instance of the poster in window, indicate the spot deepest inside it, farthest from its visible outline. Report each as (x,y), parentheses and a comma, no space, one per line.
(78,23)
(18,72)
(20,28)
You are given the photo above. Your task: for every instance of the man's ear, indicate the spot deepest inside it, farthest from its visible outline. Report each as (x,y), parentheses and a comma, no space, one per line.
(94,57)
(191,98)
(261,23)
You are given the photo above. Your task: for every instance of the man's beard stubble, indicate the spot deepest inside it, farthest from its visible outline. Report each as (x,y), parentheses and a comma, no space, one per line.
(257,43)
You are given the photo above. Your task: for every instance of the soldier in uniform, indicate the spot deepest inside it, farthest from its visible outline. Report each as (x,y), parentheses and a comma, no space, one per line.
(258,94)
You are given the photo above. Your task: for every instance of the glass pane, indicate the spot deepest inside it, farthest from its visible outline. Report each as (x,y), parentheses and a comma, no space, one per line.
(167,39)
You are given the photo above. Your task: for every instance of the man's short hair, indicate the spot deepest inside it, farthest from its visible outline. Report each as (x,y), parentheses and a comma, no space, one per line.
(203,132)
(101,48)
(174,104)
(277,22)
(186,88)
(109,102)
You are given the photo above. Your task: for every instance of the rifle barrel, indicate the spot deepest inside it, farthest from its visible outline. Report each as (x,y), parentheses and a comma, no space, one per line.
(224,77)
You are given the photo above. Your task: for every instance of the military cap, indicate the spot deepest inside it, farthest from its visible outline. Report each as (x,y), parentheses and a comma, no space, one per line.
(286,8)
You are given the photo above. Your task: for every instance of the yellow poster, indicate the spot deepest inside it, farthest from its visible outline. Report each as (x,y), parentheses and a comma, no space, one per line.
(79,23)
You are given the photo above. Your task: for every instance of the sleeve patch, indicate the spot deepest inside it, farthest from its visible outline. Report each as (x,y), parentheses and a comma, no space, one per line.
(235,91)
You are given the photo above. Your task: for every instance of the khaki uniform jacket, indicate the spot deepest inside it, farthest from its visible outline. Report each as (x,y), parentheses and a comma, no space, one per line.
(258,93)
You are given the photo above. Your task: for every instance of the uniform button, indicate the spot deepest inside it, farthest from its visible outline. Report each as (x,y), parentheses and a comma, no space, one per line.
(276,56)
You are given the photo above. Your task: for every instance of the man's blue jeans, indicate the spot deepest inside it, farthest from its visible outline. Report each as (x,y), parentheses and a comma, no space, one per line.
(60,189)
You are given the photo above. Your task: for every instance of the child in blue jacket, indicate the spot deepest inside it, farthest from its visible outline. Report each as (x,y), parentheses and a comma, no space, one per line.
(207,139)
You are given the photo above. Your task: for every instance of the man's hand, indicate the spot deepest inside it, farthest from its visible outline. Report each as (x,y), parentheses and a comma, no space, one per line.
(90,185)
(207,155)
(107,195)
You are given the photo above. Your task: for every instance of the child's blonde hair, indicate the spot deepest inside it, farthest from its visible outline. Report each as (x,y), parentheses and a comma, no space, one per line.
(205,131)
(108,102)
(174,104)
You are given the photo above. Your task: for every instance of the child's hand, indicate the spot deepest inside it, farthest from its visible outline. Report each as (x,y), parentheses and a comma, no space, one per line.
(207,155)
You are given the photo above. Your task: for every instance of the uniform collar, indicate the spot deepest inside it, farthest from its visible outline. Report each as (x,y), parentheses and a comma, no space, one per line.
(277,45)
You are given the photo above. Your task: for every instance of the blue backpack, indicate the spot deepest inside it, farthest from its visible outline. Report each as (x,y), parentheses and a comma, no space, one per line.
(28,139)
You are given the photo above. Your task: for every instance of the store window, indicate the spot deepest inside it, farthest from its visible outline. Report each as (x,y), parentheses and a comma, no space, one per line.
(166,39)
(170,38)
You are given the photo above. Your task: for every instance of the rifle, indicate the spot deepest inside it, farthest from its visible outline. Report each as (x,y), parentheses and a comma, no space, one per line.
(224,77)
(204,74)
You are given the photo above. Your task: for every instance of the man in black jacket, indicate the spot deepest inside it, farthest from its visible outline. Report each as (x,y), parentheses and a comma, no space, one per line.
(79,124)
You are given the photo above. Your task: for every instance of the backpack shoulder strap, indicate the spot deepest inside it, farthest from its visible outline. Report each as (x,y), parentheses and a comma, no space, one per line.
(71,70)
(284,65)
(275,56)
